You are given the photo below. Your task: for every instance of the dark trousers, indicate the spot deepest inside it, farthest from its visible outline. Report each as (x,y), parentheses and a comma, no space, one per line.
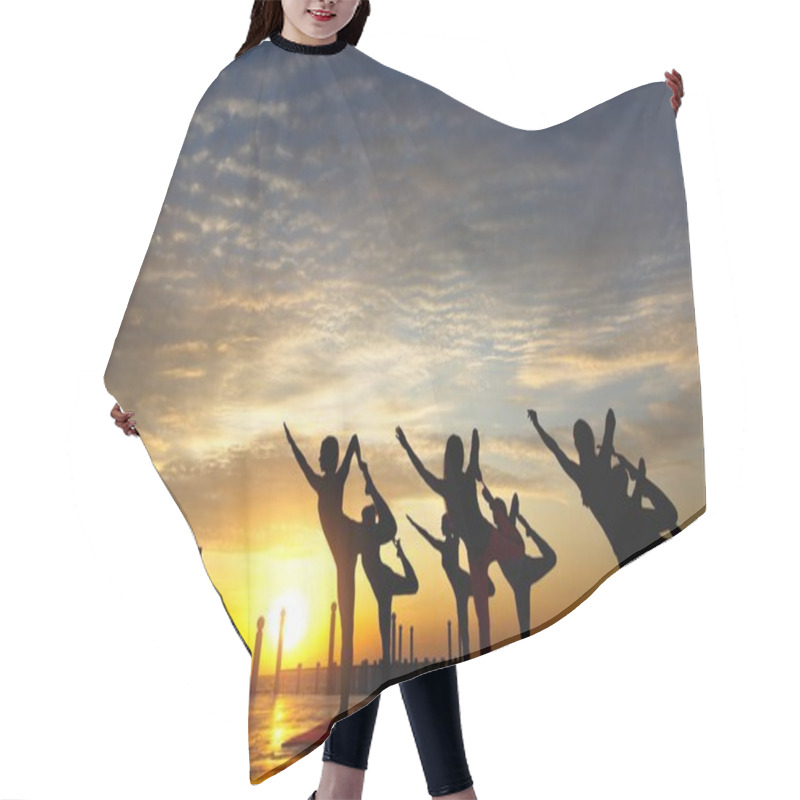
(431,702)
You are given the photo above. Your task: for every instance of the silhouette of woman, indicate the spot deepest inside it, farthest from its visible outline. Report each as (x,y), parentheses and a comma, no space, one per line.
(378,526)
(484,543)
(343,538)
(640,528)
(459,578)
(628,527)
(521,573)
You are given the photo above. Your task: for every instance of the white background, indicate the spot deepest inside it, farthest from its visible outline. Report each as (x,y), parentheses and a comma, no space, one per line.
(120,674)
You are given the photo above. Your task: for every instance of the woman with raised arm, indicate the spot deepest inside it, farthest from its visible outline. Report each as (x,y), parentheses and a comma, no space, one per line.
(604,490)
(342,535)
(459,489)
(459,578)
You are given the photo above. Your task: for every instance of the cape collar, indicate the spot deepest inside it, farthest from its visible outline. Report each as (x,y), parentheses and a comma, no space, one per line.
(311,49)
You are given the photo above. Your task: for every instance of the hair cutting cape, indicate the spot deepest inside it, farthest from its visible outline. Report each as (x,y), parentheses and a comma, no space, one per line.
(418,380)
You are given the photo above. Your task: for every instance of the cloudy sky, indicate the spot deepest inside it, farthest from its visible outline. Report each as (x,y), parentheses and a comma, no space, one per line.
(345,249)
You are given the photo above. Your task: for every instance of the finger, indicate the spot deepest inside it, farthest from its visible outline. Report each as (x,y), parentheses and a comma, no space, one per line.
(674,80)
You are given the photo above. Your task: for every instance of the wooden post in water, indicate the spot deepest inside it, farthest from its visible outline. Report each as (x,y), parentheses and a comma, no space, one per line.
(400,647)
(450,641)
(299,673)
(331,689)
(256,659)
(276,686)
(411,646)
(394,633)
(316,679)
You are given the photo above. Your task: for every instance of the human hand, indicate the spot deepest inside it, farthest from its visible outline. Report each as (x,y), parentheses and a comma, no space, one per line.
(675,82)
(622,460)
(401,437)
(124,420)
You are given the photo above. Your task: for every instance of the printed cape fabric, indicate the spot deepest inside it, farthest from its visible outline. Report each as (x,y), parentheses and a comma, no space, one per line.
(419,381)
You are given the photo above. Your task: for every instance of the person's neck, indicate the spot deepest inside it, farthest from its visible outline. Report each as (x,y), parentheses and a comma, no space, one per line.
(294,34)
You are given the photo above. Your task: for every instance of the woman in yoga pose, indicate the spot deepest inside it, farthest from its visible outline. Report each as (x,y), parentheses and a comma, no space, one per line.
(459,489)
(630,529)
(459,578)
(521,572)
(378,526)
(640,528)
(342,535)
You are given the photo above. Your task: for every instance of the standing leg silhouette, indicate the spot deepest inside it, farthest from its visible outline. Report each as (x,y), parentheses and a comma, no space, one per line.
(346,590)
(433,709)
(385,625)
(479,576)
(462,615)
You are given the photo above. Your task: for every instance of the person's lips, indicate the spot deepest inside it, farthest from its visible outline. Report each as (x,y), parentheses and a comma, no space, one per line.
(321,15)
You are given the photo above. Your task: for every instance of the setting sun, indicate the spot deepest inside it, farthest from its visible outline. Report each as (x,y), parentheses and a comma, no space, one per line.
(296,621)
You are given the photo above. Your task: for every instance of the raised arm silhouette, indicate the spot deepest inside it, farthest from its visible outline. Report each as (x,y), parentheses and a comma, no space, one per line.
(342,534)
